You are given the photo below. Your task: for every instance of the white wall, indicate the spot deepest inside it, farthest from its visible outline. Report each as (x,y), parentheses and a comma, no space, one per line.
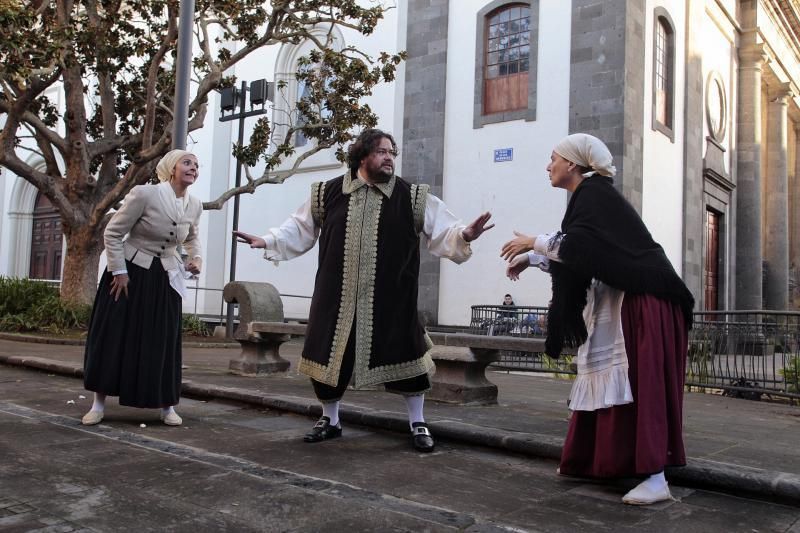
(270,205)
(518,193)
(662,187)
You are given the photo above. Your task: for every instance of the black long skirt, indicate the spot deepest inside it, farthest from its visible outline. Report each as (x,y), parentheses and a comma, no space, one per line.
(133,349)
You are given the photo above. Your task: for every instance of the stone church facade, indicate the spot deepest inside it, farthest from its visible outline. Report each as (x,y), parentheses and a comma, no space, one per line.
(697,100)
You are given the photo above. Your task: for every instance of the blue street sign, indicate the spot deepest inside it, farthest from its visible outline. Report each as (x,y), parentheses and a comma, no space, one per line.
(503,154)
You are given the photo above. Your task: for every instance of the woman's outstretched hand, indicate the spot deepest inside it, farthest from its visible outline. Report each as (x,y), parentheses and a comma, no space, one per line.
(520,244)
(516,266)
(253,240)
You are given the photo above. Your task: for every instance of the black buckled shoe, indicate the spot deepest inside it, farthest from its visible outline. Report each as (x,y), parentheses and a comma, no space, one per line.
(421,437)
(323,430)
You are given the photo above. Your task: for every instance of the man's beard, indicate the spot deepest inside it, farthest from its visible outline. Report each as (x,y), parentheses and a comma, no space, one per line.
(382,175)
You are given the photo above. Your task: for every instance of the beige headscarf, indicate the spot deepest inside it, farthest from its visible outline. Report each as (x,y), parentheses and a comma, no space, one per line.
(167,164)
(587,151)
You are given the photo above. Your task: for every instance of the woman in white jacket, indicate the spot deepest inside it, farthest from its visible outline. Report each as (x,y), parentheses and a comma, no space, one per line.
(133,349)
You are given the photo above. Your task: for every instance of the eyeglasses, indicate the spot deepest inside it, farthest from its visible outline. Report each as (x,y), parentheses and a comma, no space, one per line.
(382,152)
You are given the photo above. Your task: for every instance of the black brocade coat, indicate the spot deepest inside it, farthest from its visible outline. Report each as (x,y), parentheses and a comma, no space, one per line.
(367,282)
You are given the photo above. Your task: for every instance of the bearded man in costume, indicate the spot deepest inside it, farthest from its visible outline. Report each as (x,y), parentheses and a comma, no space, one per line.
(363,323)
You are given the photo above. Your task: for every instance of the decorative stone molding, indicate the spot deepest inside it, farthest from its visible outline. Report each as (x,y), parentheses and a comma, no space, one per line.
(780,93)
(716,106)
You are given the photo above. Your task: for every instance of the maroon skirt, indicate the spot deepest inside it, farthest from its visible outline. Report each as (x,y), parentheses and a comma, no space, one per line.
(642,437)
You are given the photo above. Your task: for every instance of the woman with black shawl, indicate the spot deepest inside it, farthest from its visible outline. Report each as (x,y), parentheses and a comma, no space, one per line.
(618,299)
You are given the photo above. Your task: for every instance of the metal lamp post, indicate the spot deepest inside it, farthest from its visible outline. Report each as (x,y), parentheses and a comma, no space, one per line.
(261,92)
(183,64)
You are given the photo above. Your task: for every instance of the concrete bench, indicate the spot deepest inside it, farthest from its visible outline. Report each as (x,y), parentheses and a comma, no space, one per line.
(461,359)
(258,302)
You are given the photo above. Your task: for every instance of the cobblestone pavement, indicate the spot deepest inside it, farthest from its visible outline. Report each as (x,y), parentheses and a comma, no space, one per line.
(232,467)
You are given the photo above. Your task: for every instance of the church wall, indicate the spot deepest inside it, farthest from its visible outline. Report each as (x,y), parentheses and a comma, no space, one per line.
(517,192)
(662,179)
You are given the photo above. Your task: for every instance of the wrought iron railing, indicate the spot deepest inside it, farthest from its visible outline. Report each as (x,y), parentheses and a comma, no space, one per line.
(744,354)
(519,321)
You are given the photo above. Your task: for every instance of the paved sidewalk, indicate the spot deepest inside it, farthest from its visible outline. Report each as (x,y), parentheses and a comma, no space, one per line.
(736,446)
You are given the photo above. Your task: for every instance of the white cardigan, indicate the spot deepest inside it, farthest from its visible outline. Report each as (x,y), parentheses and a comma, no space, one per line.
(154,227)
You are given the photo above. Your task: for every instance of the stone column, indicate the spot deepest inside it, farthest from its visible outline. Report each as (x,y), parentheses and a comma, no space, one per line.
(424,123)
(748,172)
(776,232)
(794,223)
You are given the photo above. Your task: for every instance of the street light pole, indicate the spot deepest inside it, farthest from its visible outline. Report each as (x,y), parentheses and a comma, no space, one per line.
(183,65)
(232,277)
(260,93)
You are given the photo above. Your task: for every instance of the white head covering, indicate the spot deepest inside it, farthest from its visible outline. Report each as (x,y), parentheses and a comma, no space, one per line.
(587,151)
(167,163)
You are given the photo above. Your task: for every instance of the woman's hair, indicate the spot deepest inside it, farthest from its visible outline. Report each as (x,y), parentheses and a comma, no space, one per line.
(364,145)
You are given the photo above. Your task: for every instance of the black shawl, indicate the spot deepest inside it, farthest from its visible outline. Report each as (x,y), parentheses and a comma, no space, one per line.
(603,237)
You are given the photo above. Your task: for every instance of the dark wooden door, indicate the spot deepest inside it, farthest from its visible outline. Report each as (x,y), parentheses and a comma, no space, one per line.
(45,241)
(711,270)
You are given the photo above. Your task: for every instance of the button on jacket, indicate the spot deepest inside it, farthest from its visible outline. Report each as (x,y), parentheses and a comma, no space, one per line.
(155,228)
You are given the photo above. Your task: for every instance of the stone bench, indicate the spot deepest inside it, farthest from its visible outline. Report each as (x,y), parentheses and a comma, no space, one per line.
(258,302)
(461,359)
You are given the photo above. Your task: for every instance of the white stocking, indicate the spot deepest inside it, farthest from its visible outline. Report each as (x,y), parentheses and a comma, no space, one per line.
(415,404)
(331,410)
(99,403)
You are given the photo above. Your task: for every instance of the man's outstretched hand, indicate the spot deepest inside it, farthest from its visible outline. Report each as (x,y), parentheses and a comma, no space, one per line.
(478,226)
(253,240)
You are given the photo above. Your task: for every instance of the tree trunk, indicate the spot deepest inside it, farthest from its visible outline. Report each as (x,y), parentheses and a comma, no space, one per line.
(79,280)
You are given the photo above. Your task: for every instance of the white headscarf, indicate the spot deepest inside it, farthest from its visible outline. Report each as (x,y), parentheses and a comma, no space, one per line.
(167,163)
(587,151)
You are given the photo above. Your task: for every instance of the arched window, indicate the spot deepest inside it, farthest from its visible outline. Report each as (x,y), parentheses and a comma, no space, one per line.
(45,241)
(507,59)
(292,90)
(303,91)
(664,74)
(506,62)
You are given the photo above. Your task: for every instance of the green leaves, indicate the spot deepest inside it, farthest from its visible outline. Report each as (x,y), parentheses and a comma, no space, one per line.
(88,87)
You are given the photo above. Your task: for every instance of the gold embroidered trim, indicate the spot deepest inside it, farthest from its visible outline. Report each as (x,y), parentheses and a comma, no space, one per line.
(356,208)
(364,375)
(349,183)
(317,371)
(329,374)
(419,201)
(366,286)
(352,183)
(386,373)
(318,202)
(428,341)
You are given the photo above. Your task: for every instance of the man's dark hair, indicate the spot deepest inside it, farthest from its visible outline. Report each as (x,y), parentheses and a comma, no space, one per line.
(364,145)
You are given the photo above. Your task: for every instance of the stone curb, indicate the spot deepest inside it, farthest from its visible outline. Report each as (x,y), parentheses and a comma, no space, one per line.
(699,473)
(38,339)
